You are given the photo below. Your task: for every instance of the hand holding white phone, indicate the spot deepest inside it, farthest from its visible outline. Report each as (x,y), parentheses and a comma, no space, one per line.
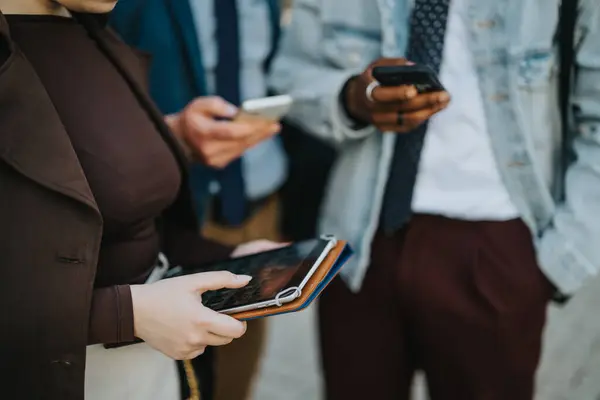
(272,108)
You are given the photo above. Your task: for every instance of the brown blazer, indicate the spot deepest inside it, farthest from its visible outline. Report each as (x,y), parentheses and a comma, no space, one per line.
(50,229)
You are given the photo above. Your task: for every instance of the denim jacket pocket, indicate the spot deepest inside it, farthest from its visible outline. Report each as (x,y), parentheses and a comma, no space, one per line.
(537,68)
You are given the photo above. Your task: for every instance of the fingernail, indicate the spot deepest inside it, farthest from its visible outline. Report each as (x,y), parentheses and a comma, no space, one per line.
(412,92)
(443,97)
(231,110)
(410,63)
(243,278)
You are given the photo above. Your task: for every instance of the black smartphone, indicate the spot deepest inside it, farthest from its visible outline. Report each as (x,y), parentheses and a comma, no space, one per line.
(422,77)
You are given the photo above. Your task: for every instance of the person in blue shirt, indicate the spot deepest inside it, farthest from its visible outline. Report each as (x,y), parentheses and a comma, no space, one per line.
(221,49)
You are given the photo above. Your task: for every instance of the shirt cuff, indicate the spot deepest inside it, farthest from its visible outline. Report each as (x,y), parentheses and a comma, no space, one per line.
(563,264)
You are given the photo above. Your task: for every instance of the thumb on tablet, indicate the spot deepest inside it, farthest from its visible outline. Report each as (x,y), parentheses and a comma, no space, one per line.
(206,281)
(256,246)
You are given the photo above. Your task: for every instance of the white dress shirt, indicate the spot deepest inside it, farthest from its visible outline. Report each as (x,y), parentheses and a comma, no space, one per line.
(458,176)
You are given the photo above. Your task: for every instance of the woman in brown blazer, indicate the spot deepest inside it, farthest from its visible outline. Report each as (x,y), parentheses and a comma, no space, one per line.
(93,201)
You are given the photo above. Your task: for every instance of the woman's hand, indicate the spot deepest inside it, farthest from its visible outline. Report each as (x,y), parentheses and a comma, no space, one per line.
(170,317)
(256,246)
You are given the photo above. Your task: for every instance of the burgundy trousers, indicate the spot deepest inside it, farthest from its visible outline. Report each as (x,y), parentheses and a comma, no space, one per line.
(465,302)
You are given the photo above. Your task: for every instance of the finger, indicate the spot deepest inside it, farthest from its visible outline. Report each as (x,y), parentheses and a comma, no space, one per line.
(208,150)
(388,119)
(223,155)
(196,353)
(270,127)
(262,134)
(385,62)
(219,152)
(404,117)
(261,245)
(214,148)
(245,130)
(217,340)
(213,106)
(256,139)
(226,155)
(424,101)
(216,280)
(201,126)
(229,130)
(416,118)
(207,137)
(420,102)
(225,326)
(408,121)
(197,124)
(225,130)
(393,94)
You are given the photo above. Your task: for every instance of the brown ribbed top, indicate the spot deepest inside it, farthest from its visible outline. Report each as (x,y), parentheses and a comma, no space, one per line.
(130,169)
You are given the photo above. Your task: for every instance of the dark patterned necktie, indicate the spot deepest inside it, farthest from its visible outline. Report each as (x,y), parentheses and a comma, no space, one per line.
(426,46)
(227,82)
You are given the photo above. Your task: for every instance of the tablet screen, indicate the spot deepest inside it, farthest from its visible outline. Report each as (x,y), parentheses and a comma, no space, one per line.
(271,272)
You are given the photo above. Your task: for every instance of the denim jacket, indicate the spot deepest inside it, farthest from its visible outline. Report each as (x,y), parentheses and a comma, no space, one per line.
(512,43)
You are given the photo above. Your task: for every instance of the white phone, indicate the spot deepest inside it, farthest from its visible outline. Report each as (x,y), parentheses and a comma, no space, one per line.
(271,108)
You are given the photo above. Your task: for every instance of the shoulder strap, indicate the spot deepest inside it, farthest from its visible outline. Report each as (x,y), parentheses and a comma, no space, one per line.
(566,43)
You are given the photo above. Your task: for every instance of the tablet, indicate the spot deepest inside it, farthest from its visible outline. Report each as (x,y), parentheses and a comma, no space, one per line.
(278,276)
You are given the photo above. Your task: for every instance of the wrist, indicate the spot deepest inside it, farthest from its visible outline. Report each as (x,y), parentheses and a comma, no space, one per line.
(348,96)
(136,300)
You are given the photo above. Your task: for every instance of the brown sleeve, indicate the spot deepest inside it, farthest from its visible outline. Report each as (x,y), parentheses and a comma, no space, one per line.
(111,316)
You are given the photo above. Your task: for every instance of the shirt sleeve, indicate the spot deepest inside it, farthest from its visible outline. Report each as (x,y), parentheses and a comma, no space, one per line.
(305,70)
(111,314)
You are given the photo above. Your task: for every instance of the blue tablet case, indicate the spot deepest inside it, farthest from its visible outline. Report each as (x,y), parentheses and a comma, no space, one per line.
(328,270)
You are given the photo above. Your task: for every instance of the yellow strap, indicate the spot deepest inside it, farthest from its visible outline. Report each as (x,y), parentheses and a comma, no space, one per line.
(191,380)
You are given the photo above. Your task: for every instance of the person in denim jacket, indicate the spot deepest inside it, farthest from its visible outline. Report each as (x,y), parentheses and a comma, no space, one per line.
(459,285)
